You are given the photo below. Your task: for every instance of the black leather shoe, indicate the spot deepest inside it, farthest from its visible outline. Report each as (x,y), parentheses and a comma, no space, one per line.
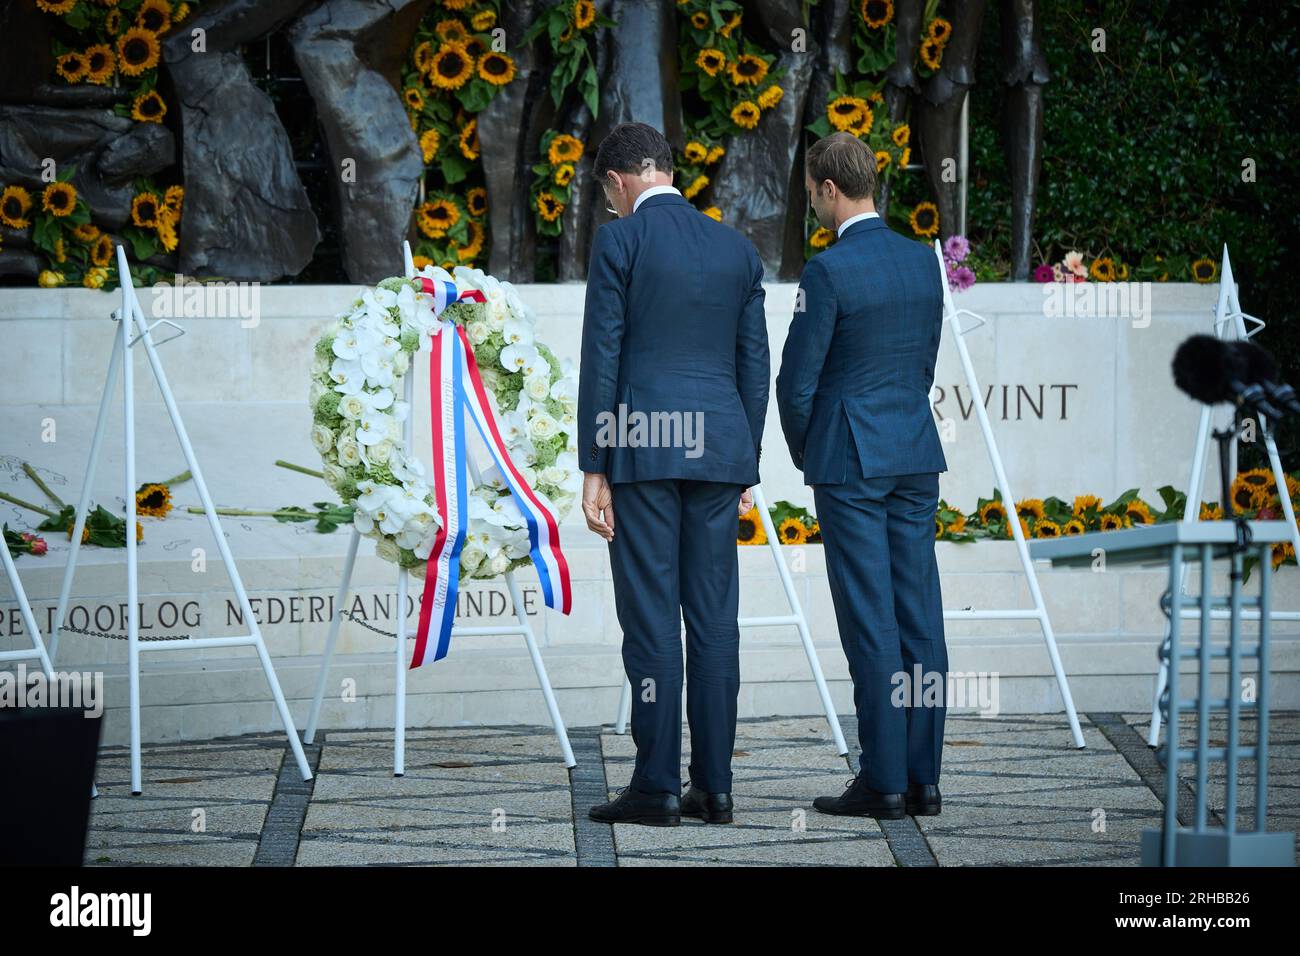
(859,800)
(923,800)
(709,807)
(632,806)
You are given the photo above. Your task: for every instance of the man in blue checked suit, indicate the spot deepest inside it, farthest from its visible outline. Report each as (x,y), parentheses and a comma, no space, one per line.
(853,393)
(671,400)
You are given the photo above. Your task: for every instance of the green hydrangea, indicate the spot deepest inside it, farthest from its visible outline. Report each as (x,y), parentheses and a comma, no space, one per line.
(325,346)
(327,408)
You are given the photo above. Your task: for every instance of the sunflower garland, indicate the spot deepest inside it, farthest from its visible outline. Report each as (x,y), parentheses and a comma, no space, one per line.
(793,525)
(553,178)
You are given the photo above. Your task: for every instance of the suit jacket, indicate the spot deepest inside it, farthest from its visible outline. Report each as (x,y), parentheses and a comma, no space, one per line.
(859,358)
(673,327)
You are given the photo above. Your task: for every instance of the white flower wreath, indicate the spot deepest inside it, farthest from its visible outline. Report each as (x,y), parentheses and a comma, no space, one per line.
(357,419)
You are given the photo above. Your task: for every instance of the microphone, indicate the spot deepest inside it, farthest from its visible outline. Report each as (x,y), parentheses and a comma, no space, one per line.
(1261,368)
(1213,371)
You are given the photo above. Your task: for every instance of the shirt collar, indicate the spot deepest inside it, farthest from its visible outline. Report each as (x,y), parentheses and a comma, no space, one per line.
(654,191)
(850,221)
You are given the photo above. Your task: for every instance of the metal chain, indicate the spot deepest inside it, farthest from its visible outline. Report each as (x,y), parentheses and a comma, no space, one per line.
(123,637)
(370,627)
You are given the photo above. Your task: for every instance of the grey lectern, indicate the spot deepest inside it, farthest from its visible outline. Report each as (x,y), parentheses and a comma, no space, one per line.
(1174,544)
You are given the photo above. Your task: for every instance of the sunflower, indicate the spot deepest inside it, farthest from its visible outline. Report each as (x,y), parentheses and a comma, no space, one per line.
(1103,269)
(49,279)
(15,203)
(1072,527)
(845,111)
(695,152)
(883,159)
(584,14)
(939,30)
(469,144)
(1138,512)
(476,201)
(751,529)
(60,251)
(472,248)
(863,125)
(429,143)
(451,31)
(436,217)
(733,21)
(144,210)
(59,199)
(182,11)
(901,135)
(72,67)
(992,512)
(715,154)
(548,207)
(958,524)
(94,278)
(770,97)
(422,56)
(167,220)
(414,98)
(101,253)
(906,159)
(748,70)
(154,501)
(149,108)
(99,64)
(792,531)
(1082,503)
(496,68)
(925,219)
(451,67)
(173,198)
(745,114)
(821,238)
(86,232)
(1204,270)
(714,213)
(421,262)
(457,5)
(1009,531)
(1210,512)
(711,61)
(939,529)
(700,20)
(697,185)
(154,16)
(1281,552)
(876,13)
(563,174)
(931,53)
(564,149)
(137,51)
(483,20)
(58,7)
(1047,529)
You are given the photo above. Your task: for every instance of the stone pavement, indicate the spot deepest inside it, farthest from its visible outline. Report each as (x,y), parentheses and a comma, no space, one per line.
(1015,793)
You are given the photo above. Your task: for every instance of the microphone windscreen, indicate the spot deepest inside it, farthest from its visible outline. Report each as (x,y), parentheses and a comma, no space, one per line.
(1259,365)
(1205,368)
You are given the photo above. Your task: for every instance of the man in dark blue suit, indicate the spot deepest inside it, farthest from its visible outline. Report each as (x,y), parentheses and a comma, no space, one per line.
(671,399)
(853,393)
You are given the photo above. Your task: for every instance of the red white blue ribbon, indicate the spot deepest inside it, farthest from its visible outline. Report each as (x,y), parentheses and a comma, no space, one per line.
(456,388)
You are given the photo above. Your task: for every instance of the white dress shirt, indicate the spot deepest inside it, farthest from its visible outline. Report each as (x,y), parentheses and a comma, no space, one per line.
(851,220)
(654,191)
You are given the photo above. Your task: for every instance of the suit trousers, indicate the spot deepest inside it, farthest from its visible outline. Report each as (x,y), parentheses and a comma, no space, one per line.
(674,558)
(884,580)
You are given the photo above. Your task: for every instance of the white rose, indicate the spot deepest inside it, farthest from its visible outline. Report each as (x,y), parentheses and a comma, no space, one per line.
(349,452)
(499,564)
(401,362)
(537,387)
(471,557)
(554,475)
(543,427)
(378,453)
(322,438)
(315,394)
(352,407)
(478,332)
(387,549)
(334,476)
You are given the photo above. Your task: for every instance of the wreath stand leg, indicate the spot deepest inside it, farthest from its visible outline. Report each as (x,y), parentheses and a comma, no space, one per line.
(1227,310)
(521,625)
(131,320)
(796,617)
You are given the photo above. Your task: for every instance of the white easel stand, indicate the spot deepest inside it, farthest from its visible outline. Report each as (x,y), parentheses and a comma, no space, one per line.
(795,617)
(1227,310)
(130,318)
(521,627)
(952,315)
(37,650)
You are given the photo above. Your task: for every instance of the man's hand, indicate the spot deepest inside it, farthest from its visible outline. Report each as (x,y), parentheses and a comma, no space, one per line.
(746,502)
(598,505)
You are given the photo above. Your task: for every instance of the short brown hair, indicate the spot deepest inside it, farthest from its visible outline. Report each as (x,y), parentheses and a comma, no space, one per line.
(844,160)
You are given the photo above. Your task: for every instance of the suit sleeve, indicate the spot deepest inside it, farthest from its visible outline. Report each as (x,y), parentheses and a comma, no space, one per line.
(806,345)
(753,363)
(604,317)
